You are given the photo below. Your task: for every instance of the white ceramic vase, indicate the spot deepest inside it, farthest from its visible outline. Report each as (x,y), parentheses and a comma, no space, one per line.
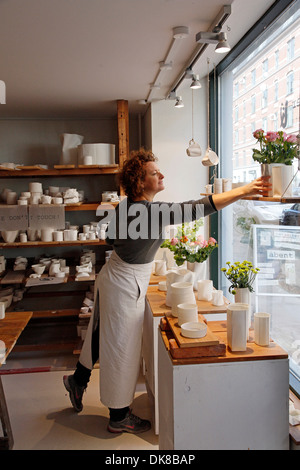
(282,176)
(176,275)
(237,326)
(243,295)
(181,293)
(199,270)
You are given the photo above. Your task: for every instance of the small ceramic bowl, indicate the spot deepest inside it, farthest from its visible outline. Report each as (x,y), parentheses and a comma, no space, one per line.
(9,236)
(194,329)
(38,268)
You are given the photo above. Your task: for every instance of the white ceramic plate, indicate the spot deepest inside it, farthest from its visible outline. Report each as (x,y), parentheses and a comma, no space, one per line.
(194,329)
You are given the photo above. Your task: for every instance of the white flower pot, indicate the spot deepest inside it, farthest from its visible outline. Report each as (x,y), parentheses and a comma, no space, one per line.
(282,176)
(199,270)
(243,295)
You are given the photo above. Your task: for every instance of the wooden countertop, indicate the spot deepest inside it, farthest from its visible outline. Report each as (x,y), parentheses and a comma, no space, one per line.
(11,327)
(252,353)
(157,302)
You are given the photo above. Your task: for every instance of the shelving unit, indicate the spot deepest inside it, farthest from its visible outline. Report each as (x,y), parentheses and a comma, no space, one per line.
(55,308)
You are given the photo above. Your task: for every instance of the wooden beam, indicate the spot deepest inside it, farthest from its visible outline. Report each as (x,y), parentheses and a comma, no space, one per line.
(123,131)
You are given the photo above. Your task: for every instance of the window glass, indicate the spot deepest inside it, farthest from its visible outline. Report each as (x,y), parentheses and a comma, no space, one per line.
(270,72)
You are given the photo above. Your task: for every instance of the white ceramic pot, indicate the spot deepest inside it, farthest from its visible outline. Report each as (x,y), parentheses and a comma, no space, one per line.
(205,289)
(187,313)
(217,297)
(160,267)
(181,293)
(199,270)
(177,275)
(12,198)
(237,326)
(282,176)
(262,329)
(243,295)
(38,268)
(9,236)
(47,234)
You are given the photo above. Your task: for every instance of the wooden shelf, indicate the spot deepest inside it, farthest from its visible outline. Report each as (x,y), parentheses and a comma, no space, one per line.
(100,170)
(281,200)
(38,244)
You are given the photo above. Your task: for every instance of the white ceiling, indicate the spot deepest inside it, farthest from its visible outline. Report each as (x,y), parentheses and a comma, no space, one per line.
(75,58)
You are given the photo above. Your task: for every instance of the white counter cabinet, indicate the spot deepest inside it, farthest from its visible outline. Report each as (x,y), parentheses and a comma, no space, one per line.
(227,404)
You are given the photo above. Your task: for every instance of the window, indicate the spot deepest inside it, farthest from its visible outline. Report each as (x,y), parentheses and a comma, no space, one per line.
(291,49)
(265,66)
(276,91)
(276,59)
(290,83)
(253,104)
(277,108)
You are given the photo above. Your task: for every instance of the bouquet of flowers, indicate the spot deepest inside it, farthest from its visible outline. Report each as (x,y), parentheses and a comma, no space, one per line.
(240,275)
(188,246)
(275,147)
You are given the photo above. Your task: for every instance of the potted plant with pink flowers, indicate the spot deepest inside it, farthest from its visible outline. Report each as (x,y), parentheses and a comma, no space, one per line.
(276,153)
(188,246)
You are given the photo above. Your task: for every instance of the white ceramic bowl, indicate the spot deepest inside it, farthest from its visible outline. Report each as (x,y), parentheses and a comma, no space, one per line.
(194,329)
(9,236)
(38,268)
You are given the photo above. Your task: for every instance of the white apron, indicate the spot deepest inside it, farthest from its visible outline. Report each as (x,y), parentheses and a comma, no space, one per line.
(120,291)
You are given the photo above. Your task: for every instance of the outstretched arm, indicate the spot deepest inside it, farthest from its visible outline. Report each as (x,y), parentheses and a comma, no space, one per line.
(260,187)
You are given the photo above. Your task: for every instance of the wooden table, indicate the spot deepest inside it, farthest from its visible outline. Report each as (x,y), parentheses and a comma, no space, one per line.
(237,401)
(10,329)
(156,308)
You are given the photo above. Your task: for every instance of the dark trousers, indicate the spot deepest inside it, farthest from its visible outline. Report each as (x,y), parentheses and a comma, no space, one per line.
(82,376)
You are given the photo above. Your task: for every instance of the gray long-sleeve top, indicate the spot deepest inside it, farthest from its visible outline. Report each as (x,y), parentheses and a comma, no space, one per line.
(136,229)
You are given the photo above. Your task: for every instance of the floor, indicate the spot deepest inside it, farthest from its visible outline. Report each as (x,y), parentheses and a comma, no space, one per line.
(42,417)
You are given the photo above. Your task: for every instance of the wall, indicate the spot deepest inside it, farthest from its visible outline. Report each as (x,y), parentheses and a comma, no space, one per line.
(185,177)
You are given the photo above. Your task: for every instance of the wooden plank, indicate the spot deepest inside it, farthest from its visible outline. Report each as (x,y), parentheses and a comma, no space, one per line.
(157,301)
(13,277)
(208,340)
(123,134)
(214,350)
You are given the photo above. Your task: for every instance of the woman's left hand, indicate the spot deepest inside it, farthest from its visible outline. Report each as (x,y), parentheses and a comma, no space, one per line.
(259,186)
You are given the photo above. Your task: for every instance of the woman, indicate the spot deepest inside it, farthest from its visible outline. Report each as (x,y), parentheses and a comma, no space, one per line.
(136,233)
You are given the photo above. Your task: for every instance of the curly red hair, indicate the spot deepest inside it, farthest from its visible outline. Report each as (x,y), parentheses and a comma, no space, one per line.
(133,172)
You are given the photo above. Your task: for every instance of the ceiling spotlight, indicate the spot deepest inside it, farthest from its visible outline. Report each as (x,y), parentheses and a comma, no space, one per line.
(195,83)
(214,38)
(180,32)
(189,73)
(179,102)
(2,92)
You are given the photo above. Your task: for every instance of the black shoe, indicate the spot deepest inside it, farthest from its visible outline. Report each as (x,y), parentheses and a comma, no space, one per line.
(75,392)
(130,423)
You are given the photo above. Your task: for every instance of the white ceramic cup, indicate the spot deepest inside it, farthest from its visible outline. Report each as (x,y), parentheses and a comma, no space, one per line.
(23,237)
(12,198)
(237,326)
(38,268)
(217,297)
(47,234)
(22,202)
(187,313)
(262,328)
(205,289)
(208,188)
(227,184)
(57,200)
(35,187)
(160,267)
(46,199)
(58,235)
(218,185)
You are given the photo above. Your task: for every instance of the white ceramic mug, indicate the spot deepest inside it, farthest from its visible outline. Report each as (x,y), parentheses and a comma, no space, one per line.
(210,158)
(58,235)
(208,188)
(194,149)
(262,329)
(160,267)
(47,234)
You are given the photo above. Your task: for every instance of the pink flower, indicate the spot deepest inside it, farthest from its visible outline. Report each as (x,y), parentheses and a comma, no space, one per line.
(174,241)
(212,241)
(203,244)
(200,238)
(258,133)
(271,136)
(292,139)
